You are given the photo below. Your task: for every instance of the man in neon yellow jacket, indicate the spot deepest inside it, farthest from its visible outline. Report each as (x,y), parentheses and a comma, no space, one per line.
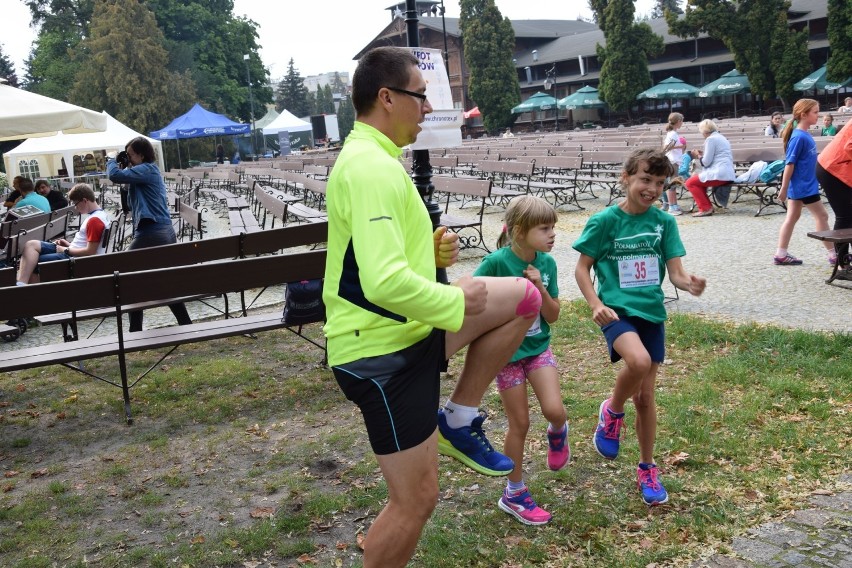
(390,326)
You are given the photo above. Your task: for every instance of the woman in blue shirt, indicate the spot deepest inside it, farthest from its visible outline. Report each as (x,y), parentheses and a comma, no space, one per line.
(152,224)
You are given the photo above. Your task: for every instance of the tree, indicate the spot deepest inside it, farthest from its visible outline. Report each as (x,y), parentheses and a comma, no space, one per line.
(337,85)
(489,43)
(624,60)
(7,69)
(345,117)
(660,7)
(735,24)
(840,40)
(122,70)
(790,61)
(292,93)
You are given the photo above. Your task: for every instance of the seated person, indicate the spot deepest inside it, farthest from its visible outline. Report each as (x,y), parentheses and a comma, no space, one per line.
(10,200)
(54,197)
(774,128)
(847,106)
(828,128)
(30,197)
(86,242)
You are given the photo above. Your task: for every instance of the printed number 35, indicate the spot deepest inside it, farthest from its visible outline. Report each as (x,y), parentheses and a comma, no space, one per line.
(640,270)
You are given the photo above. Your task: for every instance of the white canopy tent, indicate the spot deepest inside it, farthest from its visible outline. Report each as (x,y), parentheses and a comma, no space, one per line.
(27,115)
(286,121)
(48,152)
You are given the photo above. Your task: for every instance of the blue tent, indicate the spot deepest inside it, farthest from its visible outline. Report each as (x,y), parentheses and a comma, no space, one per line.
(200,122)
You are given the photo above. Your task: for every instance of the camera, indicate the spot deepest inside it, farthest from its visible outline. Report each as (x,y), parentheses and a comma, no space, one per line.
(122,159)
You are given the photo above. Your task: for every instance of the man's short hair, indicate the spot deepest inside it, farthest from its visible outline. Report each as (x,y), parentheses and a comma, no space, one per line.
(25,185)
(380,67)
(81,191)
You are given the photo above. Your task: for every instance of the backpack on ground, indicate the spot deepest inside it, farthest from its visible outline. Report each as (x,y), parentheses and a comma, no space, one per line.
(303,302)
(772,171)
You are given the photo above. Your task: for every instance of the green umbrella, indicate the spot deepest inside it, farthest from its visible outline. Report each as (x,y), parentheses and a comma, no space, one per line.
(587,97)
(817,81)
(731,83)
(539,101)
(671,88)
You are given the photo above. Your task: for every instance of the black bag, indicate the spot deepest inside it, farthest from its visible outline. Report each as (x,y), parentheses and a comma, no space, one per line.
(303,302)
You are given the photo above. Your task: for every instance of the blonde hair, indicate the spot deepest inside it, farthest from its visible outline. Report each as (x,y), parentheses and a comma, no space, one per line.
(522,214)
(707,126)
(802,106)
(674,118)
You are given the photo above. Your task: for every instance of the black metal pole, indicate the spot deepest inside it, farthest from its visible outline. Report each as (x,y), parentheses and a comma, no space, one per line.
(421,169)
(446,50)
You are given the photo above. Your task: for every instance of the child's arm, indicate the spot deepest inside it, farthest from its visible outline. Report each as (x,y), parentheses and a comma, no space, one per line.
(682,279)
(549,305)
(601,314)
(785,181)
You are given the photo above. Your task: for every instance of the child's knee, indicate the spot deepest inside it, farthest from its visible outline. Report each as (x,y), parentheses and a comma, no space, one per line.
(530,303)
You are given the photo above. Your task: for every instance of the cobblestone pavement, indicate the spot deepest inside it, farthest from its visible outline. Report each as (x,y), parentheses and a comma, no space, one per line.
(733,250)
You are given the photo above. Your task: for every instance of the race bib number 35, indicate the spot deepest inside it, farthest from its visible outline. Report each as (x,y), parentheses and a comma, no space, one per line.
(637,272)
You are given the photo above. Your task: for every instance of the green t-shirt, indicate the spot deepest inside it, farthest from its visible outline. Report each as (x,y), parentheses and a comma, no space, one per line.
(380,291)
(504,262)
(630,254)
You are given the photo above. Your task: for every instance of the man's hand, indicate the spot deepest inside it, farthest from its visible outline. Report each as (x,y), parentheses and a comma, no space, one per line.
(475,294)
(446,247)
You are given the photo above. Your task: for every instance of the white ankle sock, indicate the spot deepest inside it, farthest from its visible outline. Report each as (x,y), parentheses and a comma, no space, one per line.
(19,283)
(458,415)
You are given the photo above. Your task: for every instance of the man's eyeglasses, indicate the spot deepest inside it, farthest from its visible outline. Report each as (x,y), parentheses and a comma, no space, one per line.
(75,203)
(420,96)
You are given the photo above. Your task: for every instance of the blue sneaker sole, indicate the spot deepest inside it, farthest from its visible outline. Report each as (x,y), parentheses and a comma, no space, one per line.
(447,449)
(654,503)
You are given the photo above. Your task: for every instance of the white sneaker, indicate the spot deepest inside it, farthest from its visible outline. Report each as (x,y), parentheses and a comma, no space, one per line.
(675,210)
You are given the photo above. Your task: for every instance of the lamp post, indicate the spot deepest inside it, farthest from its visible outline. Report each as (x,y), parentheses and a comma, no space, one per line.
(440,11)
(550,82)
(251,106)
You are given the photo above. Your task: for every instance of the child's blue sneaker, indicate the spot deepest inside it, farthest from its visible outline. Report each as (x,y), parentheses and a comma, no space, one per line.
(653,492)
(608,433)
(469,445)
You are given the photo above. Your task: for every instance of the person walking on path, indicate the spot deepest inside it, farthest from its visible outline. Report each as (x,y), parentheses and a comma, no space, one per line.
(717,162)
(630,246)
(522,251)
(799,185)
(391,327)
(673,145)
(834,172)
(152,224)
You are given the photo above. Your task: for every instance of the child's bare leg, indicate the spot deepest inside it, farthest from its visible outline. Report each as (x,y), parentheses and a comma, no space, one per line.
(516,406)
(545,384)
(636,368)
(646,415)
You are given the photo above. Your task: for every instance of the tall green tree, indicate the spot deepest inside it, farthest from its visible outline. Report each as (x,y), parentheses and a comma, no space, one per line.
(327,106)
(790,60)
(489,42)
(123,72)
(337,84)
(738,25)
(840,40)
(292,93)
(7,69)
(624,60)
(345,117)
(660,7)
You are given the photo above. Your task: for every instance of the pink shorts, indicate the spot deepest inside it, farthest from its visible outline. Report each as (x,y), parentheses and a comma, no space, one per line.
(516,373)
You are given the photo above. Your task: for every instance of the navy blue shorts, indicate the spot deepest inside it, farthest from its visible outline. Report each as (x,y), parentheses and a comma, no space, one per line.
(398,393)
(652,335)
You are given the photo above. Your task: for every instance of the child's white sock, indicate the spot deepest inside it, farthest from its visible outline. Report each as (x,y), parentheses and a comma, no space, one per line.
(19,283)
(515,486)
(458,415)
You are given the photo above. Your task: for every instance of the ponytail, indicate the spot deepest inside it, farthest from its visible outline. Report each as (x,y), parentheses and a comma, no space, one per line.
(787,132)
(504,239)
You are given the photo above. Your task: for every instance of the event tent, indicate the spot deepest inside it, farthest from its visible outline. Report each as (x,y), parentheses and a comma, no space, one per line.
(198,122)
(587,97)
(300,131)
(27,115)
(49,152)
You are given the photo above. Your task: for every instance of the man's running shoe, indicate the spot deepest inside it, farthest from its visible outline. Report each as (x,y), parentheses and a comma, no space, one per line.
(653,492)
(521,506)
(608,433)
(469,445)
(558,450)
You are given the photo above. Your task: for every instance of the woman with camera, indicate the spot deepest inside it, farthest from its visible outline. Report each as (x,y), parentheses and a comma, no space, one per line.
(152,224)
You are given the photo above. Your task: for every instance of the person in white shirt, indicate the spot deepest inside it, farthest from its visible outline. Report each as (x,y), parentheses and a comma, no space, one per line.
(847,106)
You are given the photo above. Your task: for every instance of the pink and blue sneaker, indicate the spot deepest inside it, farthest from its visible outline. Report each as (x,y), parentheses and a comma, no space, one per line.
(521,506)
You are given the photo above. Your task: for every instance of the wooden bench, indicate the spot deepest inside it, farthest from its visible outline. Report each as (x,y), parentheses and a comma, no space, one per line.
(558,176)
(120,288)
(477,189)
(189,218)
(839,236)
(508,179)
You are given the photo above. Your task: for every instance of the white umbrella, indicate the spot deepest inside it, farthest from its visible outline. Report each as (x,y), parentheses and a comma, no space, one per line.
(28,115)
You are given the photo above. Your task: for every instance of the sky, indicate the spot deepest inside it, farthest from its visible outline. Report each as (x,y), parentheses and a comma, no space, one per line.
(321,36)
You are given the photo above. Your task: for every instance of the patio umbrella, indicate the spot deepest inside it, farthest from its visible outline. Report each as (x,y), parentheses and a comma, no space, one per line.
(671,88)
(539,101)
(28,115)
(472,113)
(731,83)
(817,81)
(587,97)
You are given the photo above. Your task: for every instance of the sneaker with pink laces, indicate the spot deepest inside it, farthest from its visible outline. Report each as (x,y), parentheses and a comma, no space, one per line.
(558,450)
(653,492)
(521,506)
(607,436)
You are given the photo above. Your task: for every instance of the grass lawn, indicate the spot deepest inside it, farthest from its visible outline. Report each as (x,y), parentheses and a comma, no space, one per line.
(244,453)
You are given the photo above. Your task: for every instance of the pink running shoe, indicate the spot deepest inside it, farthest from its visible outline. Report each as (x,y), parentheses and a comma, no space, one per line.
(521,506)
(558,450)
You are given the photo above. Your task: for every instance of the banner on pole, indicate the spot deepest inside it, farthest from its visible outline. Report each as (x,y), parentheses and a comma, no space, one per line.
(441,127)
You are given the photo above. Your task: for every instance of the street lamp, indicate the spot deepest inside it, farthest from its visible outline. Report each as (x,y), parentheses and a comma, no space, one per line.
(441,11)
(251,106)
(550,82)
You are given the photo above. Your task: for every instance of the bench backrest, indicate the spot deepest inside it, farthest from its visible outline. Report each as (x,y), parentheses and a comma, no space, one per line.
(220,248)
(465,186)
(560,163)
(265,195)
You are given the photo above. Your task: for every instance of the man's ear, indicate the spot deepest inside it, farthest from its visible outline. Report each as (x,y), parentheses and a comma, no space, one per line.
(384,98)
